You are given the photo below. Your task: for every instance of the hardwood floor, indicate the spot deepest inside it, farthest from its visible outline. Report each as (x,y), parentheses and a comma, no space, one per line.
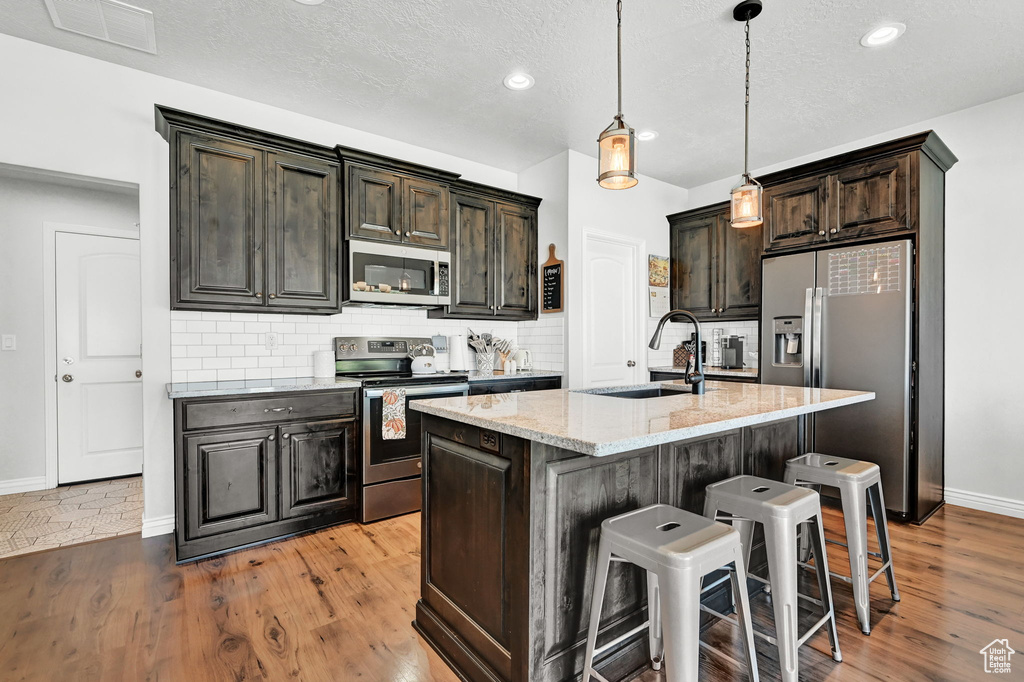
(337,605)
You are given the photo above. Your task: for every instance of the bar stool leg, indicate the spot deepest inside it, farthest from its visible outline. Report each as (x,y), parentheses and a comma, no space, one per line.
(680,600)
(855,515)
(655,637)
(882,530)
(816,534)
(604,557)
(742,604)
(780,541)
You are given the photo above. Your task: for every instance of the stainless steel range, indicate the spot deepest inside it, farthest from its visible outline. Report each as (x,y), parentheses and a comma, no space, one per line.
(390,467)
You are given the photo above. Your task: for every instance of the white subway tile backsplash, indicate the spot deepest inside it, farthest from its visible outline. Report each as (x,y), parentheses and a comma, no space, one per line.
(216,317)
(230,327)
(230,374)
(258,373)
(201,351)
(271,361)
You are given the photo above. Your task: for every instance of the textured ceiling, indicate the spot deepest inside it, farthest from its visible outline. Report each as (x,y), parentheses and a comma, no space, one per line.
(429,71)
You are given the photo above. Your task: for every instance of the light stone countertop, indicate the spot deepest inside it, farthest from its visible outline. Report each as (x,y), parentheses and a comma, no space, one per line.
(202,389)
(594,424)
(711,370)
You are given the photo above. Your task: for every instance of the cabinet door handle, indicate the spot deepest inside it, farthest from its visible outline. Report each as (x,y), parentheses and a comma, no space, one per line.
(834,230)
(408,234)
(276,409)
(286,436)
(271,437)
(821,233)
(259,294)
(271,295)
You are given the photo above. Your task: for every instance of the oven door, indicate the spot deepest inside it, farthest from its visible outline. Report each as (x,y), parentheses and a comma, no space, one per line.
(387,460)
(389,273)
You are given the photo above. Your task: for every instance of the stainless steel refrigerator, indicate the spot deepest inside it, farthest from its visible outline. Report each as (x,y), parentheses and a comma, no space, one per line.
(842,318)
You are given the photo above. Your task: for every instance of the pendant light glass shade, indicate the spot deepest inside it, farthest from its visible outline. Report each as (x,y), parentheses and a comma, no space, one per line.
(616,149)
(747,204)
(616,146)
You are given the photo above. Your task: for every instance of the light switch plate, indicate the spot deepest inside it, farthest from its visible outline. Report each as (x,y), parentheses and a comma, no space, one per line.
(8,342)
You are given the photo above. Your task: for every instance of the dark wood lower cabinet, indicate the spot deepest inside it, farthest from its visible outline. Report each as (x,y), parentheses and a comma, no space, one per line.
(255,469)
(514,385)
(508,566)
(318,466)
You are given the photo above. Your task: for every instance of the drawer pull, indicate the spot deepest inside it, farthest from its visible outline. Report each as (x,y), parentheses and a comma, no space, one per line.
(277,409)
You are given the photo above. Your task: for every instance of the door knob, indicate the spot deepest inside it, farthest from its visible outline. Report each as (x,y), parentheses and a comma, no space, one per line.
(630,364)
(138,374)
(67,378)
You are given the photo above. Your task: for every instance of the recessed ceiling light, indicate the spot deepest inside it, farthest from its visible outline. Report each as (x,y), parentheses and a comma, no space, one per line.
(645,135)
(310,2)
(883,35)
(518,81)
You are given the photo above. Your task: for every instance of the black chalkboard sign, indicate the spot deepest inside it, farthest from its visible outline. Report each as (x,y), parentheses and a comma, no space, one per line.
(552,283)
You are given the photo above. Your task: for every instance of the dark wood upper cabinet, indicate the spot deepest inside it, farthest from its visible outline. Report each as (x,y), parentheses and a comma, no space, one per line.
(318,466)
(303,236)
(473,236)
(425,215)
(217,196)
(516,259)
(494,255)
(716,268)
(795,213)
(374,200)
(739,271)
(255,219)
(871,198)
(692,249)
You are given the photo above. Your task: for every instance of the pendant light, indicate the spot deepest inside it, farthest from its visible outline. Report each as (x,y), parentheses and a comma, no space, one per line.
(616,146)
(747,204)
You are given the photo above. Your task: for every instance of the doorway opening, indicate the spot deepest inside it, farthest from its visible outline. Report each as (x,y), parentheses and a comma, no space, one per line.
(70,360)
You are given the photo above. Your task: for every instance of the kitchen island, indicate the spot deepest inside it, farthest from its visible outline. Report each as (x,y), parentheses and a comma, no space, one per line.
(515,488)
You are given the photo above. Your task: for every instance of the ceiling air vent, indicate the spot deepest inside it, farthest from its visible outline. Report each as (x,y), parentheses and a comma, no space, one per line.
(109,20)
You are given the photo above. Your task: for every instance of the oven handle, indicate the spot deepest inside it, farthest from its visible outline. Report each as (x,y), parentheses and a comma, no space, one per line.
(420,391)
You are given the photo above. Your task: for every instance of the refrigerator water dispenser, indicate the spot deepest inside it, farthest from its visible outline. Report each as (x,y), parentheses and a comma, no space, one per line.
(788,342)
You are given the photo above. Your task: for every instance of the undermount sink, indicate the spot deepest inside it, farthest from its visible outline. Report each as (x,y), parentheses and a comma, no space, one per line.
(641,393)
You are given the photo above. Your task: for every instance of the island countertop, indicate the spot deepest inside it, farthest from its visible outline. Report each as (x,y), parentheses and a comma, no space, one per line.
(595,424)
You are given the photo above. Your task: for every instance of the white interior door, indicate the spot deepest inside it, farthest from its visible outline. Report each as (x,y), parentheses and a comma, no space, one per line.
(613,353)
(99,357)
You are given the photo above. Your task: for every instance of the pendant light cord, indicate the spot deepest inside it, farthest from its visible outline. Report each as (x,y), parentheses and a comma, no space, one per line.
(618,11)
(746,105)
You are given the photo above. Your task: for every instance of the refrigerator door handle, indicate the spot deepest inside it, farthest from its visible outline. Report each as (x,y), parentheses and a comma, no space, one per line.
(807,341)
(819,301)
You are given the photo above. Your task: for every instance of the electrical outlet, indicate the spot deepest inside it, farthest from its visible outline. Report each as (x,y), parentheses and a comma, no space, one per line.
(272,340)
(8,342)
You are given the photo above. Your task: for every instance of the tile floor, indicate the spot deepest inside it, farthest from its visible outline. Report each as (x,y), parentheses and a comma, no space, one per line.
(69,514)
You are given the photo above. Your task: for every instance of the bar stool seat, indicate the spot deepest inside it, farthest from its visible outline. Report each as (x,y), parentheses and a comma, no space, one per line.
(677,549)
(780,508)
(860,485)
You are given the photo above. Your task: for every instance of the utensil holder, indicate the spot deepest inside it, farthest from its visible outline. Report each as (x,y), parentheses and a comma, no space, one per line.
(485,364)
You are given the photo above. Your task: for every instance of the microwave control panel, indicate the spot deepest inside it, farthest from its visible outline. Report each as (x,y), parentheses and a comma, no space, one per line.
(442,279)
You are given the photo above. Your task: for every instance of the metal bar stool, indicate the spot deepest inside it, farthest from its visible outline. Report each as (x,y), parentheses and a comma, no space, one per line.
(677,549)
(860,484)
(780,509)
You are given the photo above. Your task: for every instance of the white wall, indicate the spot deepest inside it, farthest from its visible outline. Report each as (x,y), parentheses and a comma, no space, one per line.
(638,212)
(984,243)
(27,200)
(549,179)
(65,112)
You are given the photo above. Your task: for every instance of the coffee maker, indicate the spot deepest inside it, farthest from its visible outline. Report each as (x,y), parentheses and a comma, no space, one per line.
(732,352)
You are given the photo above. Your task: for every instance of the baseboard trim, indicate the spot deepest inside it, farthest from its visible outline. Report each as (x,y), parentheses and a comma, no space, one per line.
(158,525)
(983,502)
(22,485)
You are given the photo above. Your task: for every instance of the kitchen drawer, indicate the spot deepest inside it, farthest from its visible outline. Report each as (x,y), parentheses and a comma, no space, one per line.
(547,384)
(279,408)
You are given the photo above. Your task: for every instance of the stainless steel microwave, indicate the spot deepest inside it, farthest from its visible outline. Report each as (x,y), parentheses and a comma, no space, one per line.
(398,274)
